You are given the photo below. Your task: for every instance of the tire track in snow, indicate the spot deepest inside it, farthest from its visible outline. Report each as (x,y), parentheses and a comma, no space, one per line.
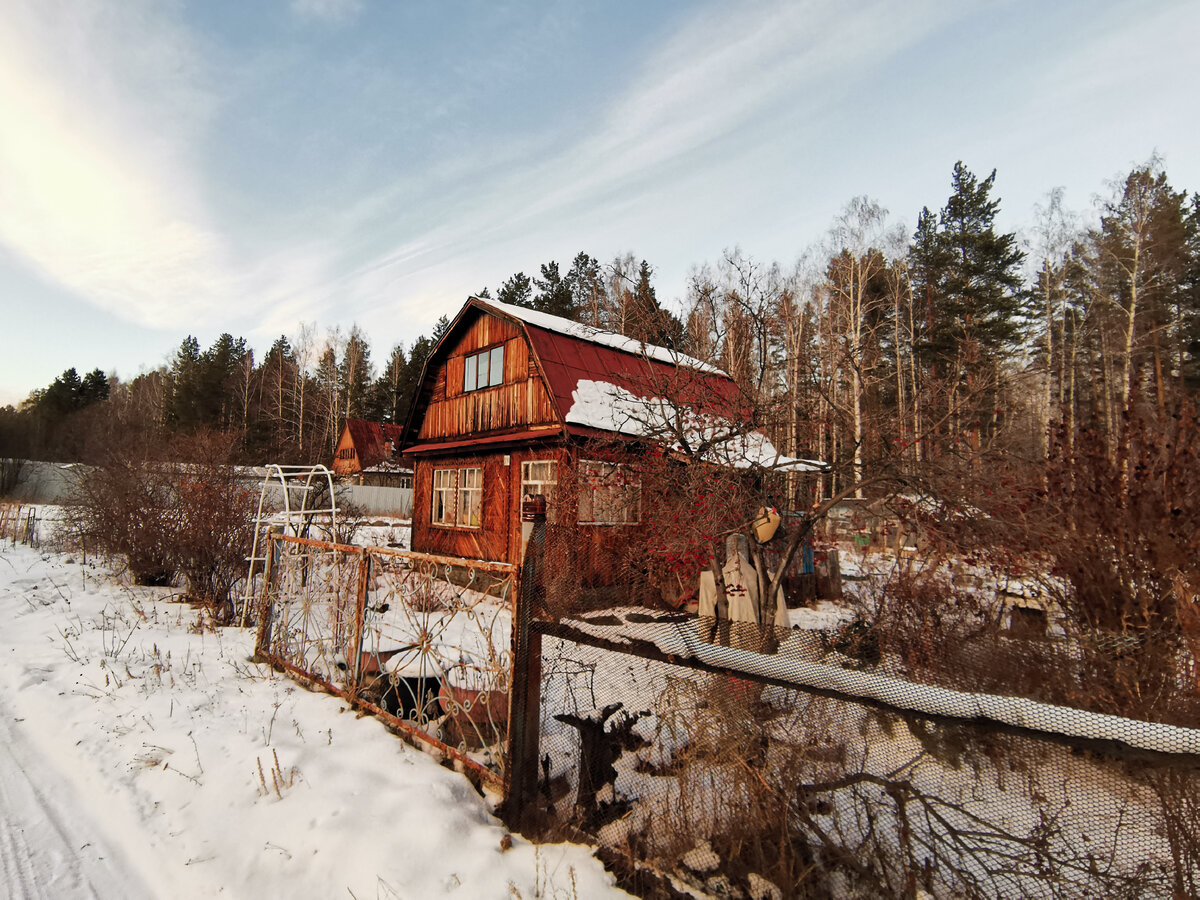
(50,846)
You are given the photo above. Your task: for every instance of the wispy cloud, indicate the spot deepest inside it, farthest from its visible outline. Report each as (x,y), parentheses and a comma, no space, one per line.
(722,79)
(98,105)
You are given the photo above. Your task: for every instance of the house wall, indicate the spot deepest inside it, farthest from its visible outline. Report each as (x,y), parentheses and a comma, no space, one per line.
(492,541)
(521,401)
(586,554)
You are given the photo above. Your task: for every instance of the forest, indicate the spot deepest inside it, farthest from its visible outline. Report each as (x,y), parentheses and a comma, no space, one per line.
(879,349)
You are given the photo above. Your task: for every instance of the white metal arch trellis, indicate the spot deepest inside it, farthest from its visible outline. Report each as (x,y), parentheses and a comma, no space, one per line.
(308,481)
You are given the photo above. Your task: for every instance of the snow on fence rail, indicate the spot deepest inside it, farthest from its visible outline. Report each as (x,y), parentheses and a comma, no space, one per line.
(421,641)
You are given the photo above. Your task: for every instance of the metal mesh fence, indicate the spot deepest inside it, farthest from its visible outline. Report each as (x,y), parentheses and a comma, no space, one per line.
(421,641)
(753,761)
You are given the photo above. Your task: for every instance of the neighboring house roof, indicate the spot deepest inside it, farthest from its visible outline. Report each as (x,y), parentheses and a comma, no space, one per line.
(376,443)
(603,384)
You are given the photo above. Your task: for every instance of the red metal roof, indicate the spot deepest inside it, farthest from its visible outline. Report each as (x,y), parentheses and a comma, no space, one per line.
(567,360)
(567,353)
(374,442)
(519,437)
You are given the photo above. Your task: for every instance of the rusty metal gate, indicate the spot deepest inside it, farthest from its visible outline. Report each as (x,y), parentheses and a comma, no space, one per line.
(421,641)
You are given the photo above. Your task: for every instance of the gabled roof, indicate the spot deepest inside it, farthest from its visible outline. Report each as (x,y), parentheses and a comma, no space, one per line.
(587,333)
(374,442)
(603,384)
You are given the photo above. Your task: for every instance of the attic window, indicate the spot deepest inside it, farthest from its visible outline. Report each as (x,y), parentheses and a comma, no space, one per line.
(484,369)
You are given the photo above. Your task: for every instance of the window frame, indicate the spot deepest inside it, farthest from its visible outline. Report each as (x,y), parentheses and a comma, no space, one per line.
(542,484)
(624,496)
(453,495)
(467,493)
(487,364)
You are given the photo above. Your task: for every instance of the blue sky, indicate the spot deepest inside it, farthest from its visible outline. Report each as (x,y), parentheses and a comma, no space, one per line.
(169,168)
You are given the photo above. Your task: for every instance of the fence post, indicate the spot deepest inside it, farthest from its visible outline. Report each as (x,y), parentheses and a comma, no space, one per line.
(267,605)
(360,617)
(525,696)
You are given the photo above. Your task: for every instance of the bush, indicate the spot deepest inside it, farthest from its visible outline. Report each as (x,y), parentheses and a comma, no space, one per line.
(166,518)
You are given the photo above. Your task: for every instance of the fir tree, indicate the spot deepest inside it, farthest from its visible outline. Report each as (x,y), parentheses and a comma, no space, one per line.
(554,293)
(645,320)
(517,291)
(354,374)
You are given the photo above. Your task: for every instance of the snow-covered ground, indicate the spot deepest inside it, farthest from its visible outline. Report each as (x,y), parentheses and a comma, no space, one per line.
(142,754)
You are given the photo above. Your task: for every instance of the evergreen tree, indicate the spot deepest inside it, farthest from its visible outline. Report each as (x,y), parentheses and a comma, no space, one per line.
(645,320)
(554,293)
(969,273)
(385,403)
(183,383)
(94,388)
(588,295)
(354,374)
(440,327)
(517,291)
(62,396)
(968,288)
(218,382)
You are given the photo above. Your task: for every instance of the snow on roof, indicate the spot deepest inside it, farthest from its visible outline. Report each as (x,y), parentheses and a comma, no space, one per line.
(610,407)
(597,336)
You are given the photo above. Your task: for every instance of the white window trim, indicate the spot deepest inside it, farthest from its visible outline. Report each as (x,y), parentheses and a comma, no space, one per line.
(542,486)
(455,491)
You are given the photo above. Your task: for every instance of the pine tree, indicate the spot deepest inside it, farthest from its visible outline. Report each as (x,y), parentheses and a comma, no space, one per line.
(554,293)
(969,294)
(589,298)
(94,388)
(517,291)
(354,374)
(183,384)
(385,401)
(645,320)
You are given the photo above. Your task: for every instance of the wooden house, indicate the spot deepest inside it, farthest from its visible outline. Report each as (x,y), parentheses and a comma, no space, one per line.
(515,402)
(369,453)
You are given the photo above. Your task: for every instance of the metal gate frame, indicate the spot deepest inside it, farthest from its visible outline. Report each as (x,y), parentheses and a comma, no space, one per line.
(342,654)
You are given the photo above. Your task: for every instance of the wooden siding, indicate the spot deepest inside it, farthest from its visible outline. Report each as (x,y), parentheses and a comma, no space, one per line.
(522,401)
(589,555)
(345,466)
(492,540)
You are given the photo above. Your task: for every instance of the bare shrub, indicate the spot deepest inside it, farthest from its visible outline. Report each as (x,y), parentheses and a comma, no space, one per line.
(124,508)
(215,522)
(1110,534)
(166,518)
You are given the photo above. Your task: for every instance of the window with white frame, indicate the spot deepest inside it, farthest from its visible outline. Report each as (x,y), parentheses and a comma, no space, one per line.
(443,496)
(540,477)
(486,369)
(457,497)
(470,498)
(609,494)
